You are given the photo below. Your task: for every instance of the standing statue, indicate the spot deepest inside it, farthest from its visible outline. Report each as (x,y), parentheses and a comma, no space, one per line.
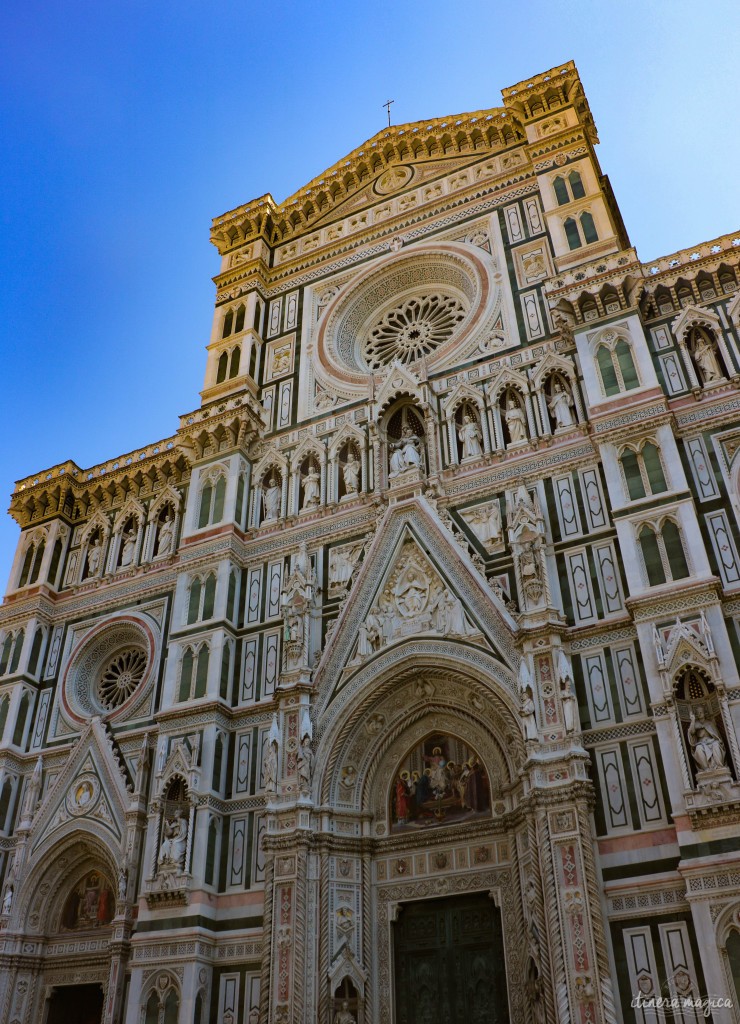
(311,487)
(271,499)
(8,900)
(305,765)
(470,438)
(516,421)
(706,360)
(166,532)
(707,747)
(94,557)
(129,546)
(570,706)
(32,791)
(527,712)
(174,845)
(351,474)
(270,768)
(560,403)
(122,883)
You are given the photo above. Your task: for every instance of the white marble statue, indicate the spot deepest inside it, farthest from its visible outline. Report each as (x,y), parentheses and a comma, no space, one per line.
(94,557)
(405,452)
(527,713)
(560,404)
(122,883)
(271,499)
(570,706)
(305,765)
(8,900)
(270,767)
(311,487)
(166,534)
(450,616)
(344,1016)
(32,790)
(128,548)
(516,421)
(174,844)
(351,474)
(707,747)
(470,438)
(706,360)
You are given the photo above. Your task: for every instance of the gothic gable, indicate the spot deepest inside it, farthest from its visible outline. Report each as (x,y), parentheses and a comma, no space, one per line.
(414,580)
(92,792)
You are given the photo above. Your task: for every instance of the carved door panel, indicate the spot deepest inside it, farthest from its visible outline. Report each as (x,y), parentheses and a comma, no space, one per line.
(449,962)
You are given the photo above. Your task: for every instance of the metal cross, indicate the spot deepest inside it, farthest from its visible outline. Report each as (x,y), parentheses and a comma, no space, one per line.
(387,105)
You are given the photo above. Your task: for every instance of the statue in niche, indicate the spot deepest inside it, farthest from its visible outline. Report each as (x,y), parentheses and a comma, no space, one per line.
(570,706)
(271,499)
(8,900)
(166,536)
(342,562)
(406,453)
(270,760)
(302,563)
(128,547)
(122,883)
(94,557)
(707,747)
(311,487)
(305,766)
(32,792)
(706,359)
(174,844)
(560,404)
(516,421)
(527,712)
(343,1015)
(351,473)
(470,437)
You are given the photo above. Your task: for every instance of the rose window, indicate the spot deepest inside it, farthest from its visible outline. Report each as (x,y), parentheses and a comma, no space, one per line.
(412,330)
(121,676)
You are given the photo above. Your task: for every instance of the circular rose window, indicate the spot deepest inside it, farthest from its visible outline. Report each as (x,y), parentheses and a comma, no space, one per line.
(121,676)
(109,670)
(413,329)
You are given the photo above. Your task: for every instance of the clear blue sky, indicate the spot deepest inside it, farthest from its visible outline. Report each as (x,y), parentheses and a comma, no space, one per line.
(124,127)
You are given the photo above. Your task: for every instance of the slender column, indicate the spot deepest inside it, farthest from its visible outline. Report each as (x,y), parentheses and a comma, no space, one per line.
(485,430)
(452,441)
(543,414)
(530,416)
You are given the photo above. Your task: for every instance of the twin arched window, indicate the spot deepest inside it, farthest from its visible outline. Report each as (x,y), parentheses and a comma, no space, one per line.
(663,552)
(212,500)
(32,563)
(567,188)
(643,470)
(10,653)
(202,598)
(616,367)
(194,672)
(233,321)
(228,364)
(580,230)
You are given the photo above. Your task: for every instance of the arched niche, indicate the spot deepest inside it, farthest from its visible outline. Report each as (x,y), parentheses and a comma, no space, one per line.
(441,780)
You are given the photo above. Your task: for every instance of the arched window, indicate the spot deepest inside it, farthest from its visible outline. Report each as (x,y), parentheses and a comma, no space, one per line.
(616,367)
(194,600)
(571,234)
(561,191)
(223,365)
(4,705)
(211,852)
(231,597)
(663,553)
(228,324)
(17,648)
(588,228)
(194,673)
(239,321)
(6,794)
(20,722)
(576,185)
(212,500)
(5,652)
(56,557)
(252,359)
(235,360)
(209,596)
(643,471)
(33,661)
(733,956)
(26,567)
(218,762)
(152,1009)
(241,490)
(225,672)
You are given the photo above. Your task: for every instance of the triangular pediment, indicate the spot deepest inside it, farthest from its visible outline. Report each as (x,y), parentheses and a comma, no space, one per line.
(694,316)
(399,381)
(415,580)
(91,792)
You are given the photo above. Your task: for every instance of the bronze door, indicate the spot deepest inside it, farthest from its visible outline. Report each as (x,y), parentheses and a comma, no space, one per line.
(449,960)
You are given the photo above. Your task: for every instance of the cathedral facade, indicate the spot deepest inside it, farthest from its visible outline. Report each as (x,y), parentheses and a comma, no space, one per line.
(399,684)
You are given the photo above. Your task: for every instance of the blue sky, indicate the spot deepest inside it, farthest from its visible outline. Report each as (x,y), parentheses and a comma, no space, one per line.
(125,127)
